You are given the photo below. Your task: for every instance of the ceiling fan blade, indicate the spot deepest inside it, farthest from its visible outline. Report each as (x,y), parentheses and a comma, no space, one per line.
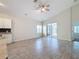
(47,9)
(48,5)
(35,0)
(37,8)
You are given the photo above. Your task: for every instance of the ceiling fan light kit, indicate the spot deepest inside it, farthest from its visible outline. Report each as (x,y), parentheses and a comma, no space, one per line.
(42,6)
(35,0)
(1,4)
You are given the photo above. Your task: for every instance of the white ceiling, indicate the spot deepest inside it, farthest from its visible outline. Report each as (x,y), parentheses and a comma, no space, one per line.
(20,7)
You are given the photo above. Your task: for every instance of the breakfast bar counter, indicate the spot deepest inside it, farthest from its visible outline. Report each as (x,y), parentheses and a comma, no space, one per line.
(3,49)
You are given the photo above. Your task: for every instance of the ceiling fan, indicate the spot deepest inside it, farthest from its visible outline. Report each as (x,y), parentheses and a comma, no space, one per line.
(42,6)
(35,0)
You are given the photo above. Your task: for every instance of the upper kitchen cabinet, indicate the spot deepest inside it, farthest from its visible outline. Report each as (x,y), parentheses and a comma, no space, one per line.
(5,23)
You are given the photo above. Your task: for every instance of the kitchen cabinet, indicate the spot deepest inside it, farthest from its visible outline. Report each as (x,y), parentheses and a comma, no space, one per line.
(5,23)
(8,37)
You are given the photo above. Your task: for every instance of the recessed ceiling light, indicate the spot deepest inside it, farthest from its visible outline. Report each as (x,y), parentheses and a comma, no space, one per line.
(1,4)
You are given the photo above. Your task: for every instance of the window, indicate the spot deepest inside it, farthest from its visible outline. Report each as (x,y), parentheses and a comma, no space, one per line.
(54,29)
(44,30)
(76,29)
(39,29)
(49,29)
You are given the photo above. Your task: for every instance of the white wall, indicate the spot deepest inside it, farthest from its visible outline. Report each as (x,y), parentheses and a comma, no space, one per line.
(75,13)
(24,29)
(64,24)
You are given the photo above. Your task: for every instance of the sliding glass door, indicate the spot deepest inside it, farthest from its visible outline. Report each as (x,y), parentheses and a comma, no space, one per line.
(38,30)
(47,30)
(44,30)
(52,29)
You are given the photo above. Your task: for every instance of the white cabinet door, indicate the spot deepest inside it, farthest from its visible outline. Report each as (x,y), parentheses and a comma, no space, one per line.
(8,37)
(1,24)
(7,23)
